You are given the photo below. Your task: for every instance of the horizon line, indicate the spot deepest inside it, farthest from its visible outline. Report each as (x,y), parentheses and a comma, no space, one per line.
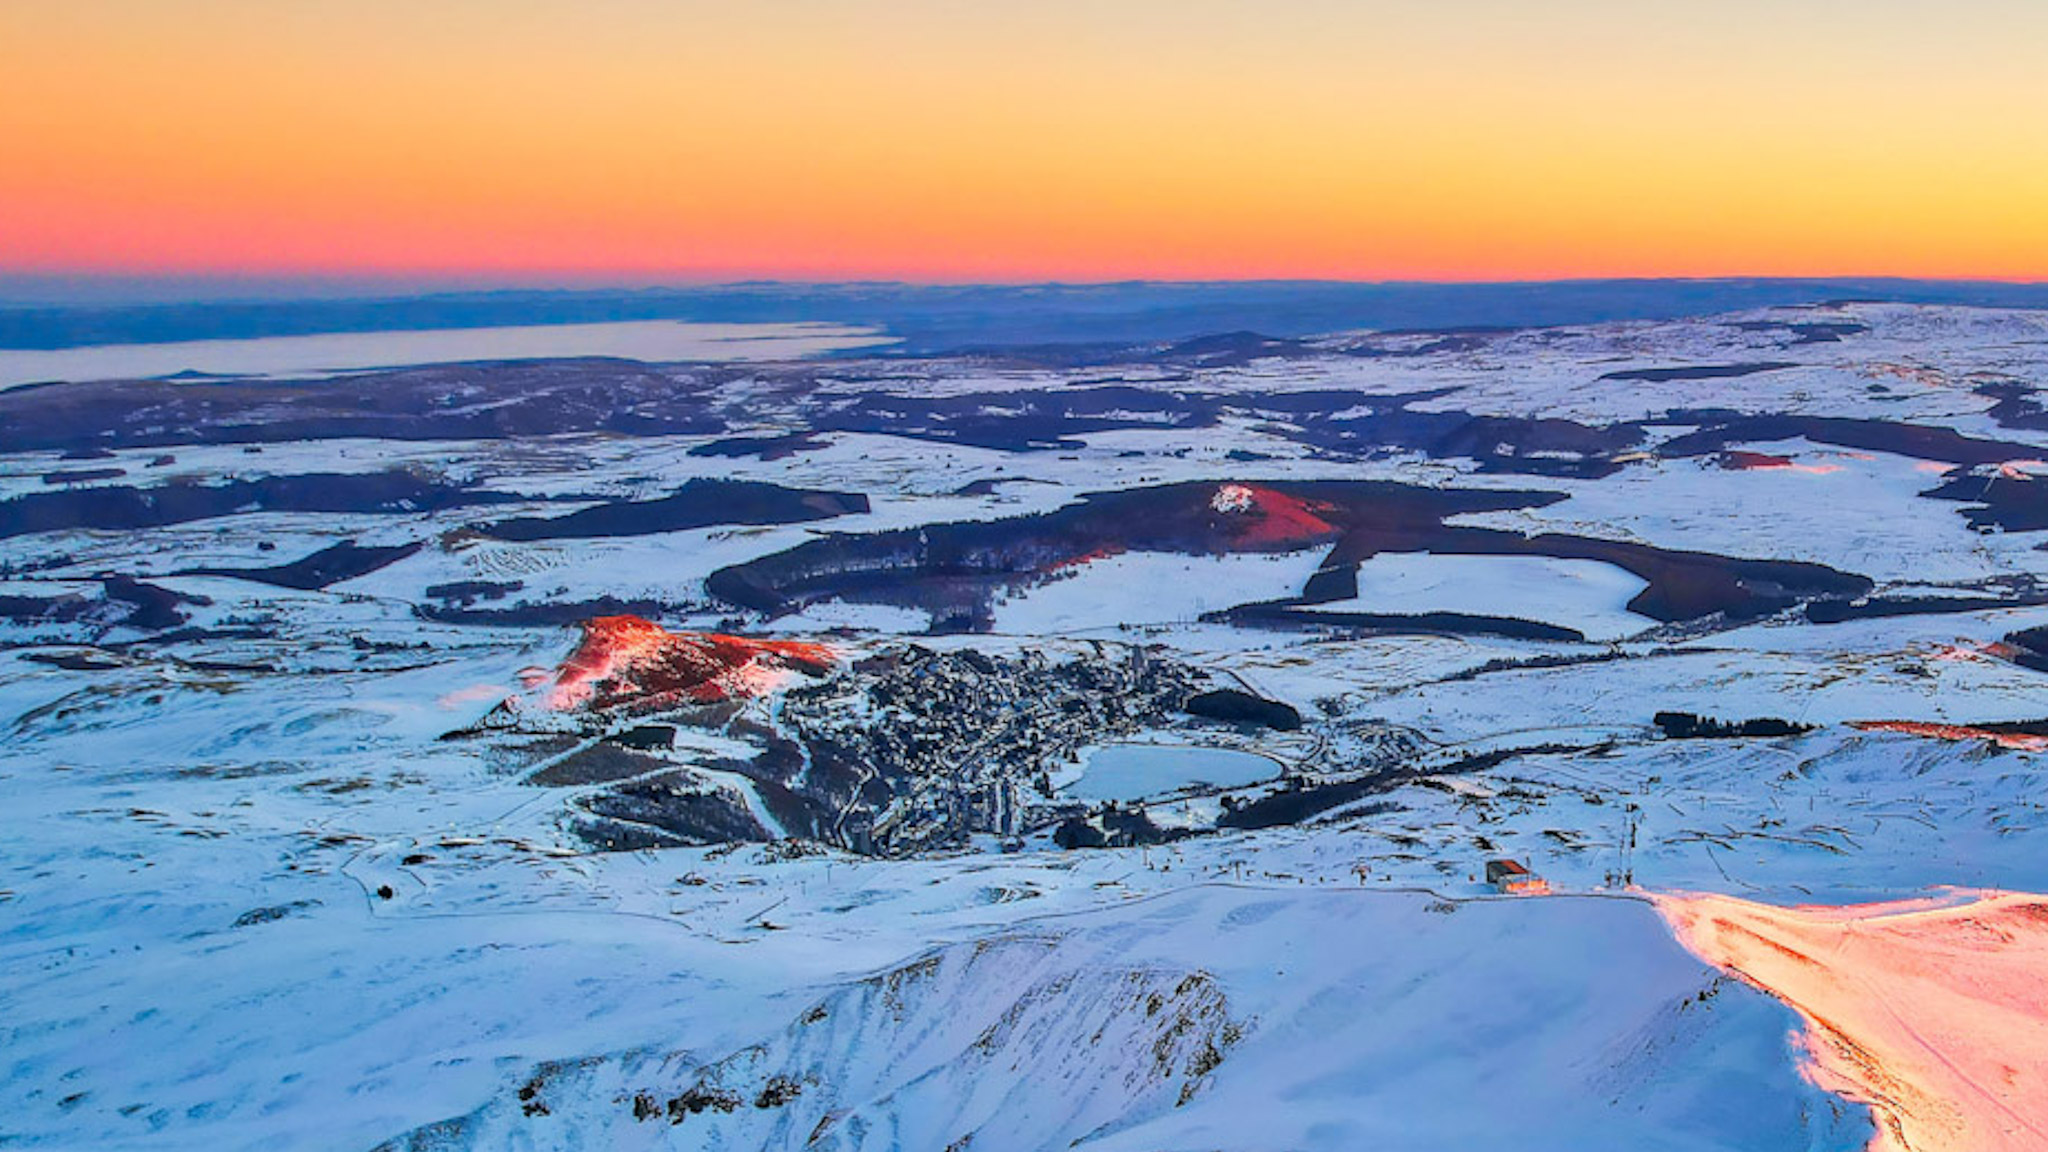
(410,286)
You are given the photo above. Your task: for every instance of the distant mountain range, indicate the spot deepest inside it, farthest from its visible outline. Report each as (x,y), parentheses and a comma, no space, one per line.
(934,318)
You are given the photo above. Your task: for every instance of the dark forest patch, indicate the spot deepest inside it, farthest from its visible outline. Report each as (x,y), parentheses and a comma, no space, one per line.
(1019,420)
(1721,428)
(549,614)
(83,475)
(463,593)
(765,448)
(1997,501)
(600,763)
(1796,333)
(681,806)
(484,400)
(331,565)
(1688,726)
(123,602)
(1231,349)
(1289,615)
(1341,423)
(1114,826)
(1682,585)
(1299,802)
(1233,706)
(697,504)
(2027,648)
(1699,372)
(1838,611)
(121,507)
(955,570)
(2016,404)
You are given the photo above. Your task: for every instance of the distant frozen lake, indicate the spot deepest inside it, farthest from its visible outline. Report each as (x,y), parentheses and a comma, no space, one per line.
(1135,771)
(652,340)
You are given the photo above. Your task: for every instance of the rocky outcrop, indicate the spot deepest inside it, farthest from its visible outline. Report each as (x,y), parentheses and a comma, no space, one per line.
(627,663)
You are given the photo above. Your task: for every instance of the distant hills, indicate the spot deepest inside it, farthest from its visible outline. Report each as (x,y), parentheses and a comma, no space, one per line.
(952,318)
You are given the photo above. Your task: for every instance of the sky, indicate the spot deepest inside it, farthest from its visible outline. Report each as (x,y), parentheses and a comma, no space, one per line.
(642,140)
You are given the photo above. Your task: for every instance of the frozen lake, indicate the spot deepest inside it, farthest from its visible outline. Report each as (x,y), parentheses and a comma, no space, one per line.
(651,340)
(1135,771)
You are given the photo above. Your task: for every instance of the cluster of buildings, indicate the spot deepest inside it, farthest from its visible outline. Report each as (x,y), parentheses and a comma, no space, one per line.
(965,741)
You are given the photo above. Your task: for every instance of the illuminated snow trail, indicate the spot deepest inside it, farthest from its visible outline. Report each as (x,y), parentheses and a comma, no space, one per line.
(1934,1012)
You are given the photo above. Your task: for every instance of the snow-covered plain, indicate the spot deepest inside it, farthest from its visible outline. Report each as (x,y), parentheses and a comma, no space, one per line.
(250,899)
(1139,588)
(1585,595)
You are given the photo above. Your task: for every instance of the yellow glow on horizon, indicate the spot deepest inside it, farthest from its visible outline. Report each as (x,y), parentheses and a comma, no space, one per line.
(973,140)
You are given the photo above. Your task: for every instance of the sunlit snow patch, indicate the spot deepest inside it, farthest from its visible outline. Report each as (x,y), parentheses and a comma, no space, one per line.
(624,661)
(2004,737)
(1151,588)
(1929,1010)
(1587,595)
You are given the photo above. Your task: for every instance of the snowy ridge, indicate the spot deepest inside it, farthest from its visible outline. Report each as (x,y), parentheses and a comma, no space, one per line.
(1079,1037)
(1004,1042)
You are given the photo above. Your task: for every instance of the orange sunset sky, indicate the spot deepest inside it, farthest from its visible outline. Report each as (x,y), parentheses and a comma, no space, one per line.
(1057,138)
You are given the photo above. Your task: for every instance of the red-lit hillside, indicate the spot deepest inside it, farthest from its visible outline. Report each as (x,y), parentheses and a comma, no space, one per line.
(1252,517)
(1739,461)
(2005,736)
(624,661)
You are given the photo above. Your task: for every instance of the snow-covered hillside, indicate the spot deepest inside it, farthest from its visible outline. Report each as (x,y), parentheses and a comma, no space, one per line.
(332,820)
